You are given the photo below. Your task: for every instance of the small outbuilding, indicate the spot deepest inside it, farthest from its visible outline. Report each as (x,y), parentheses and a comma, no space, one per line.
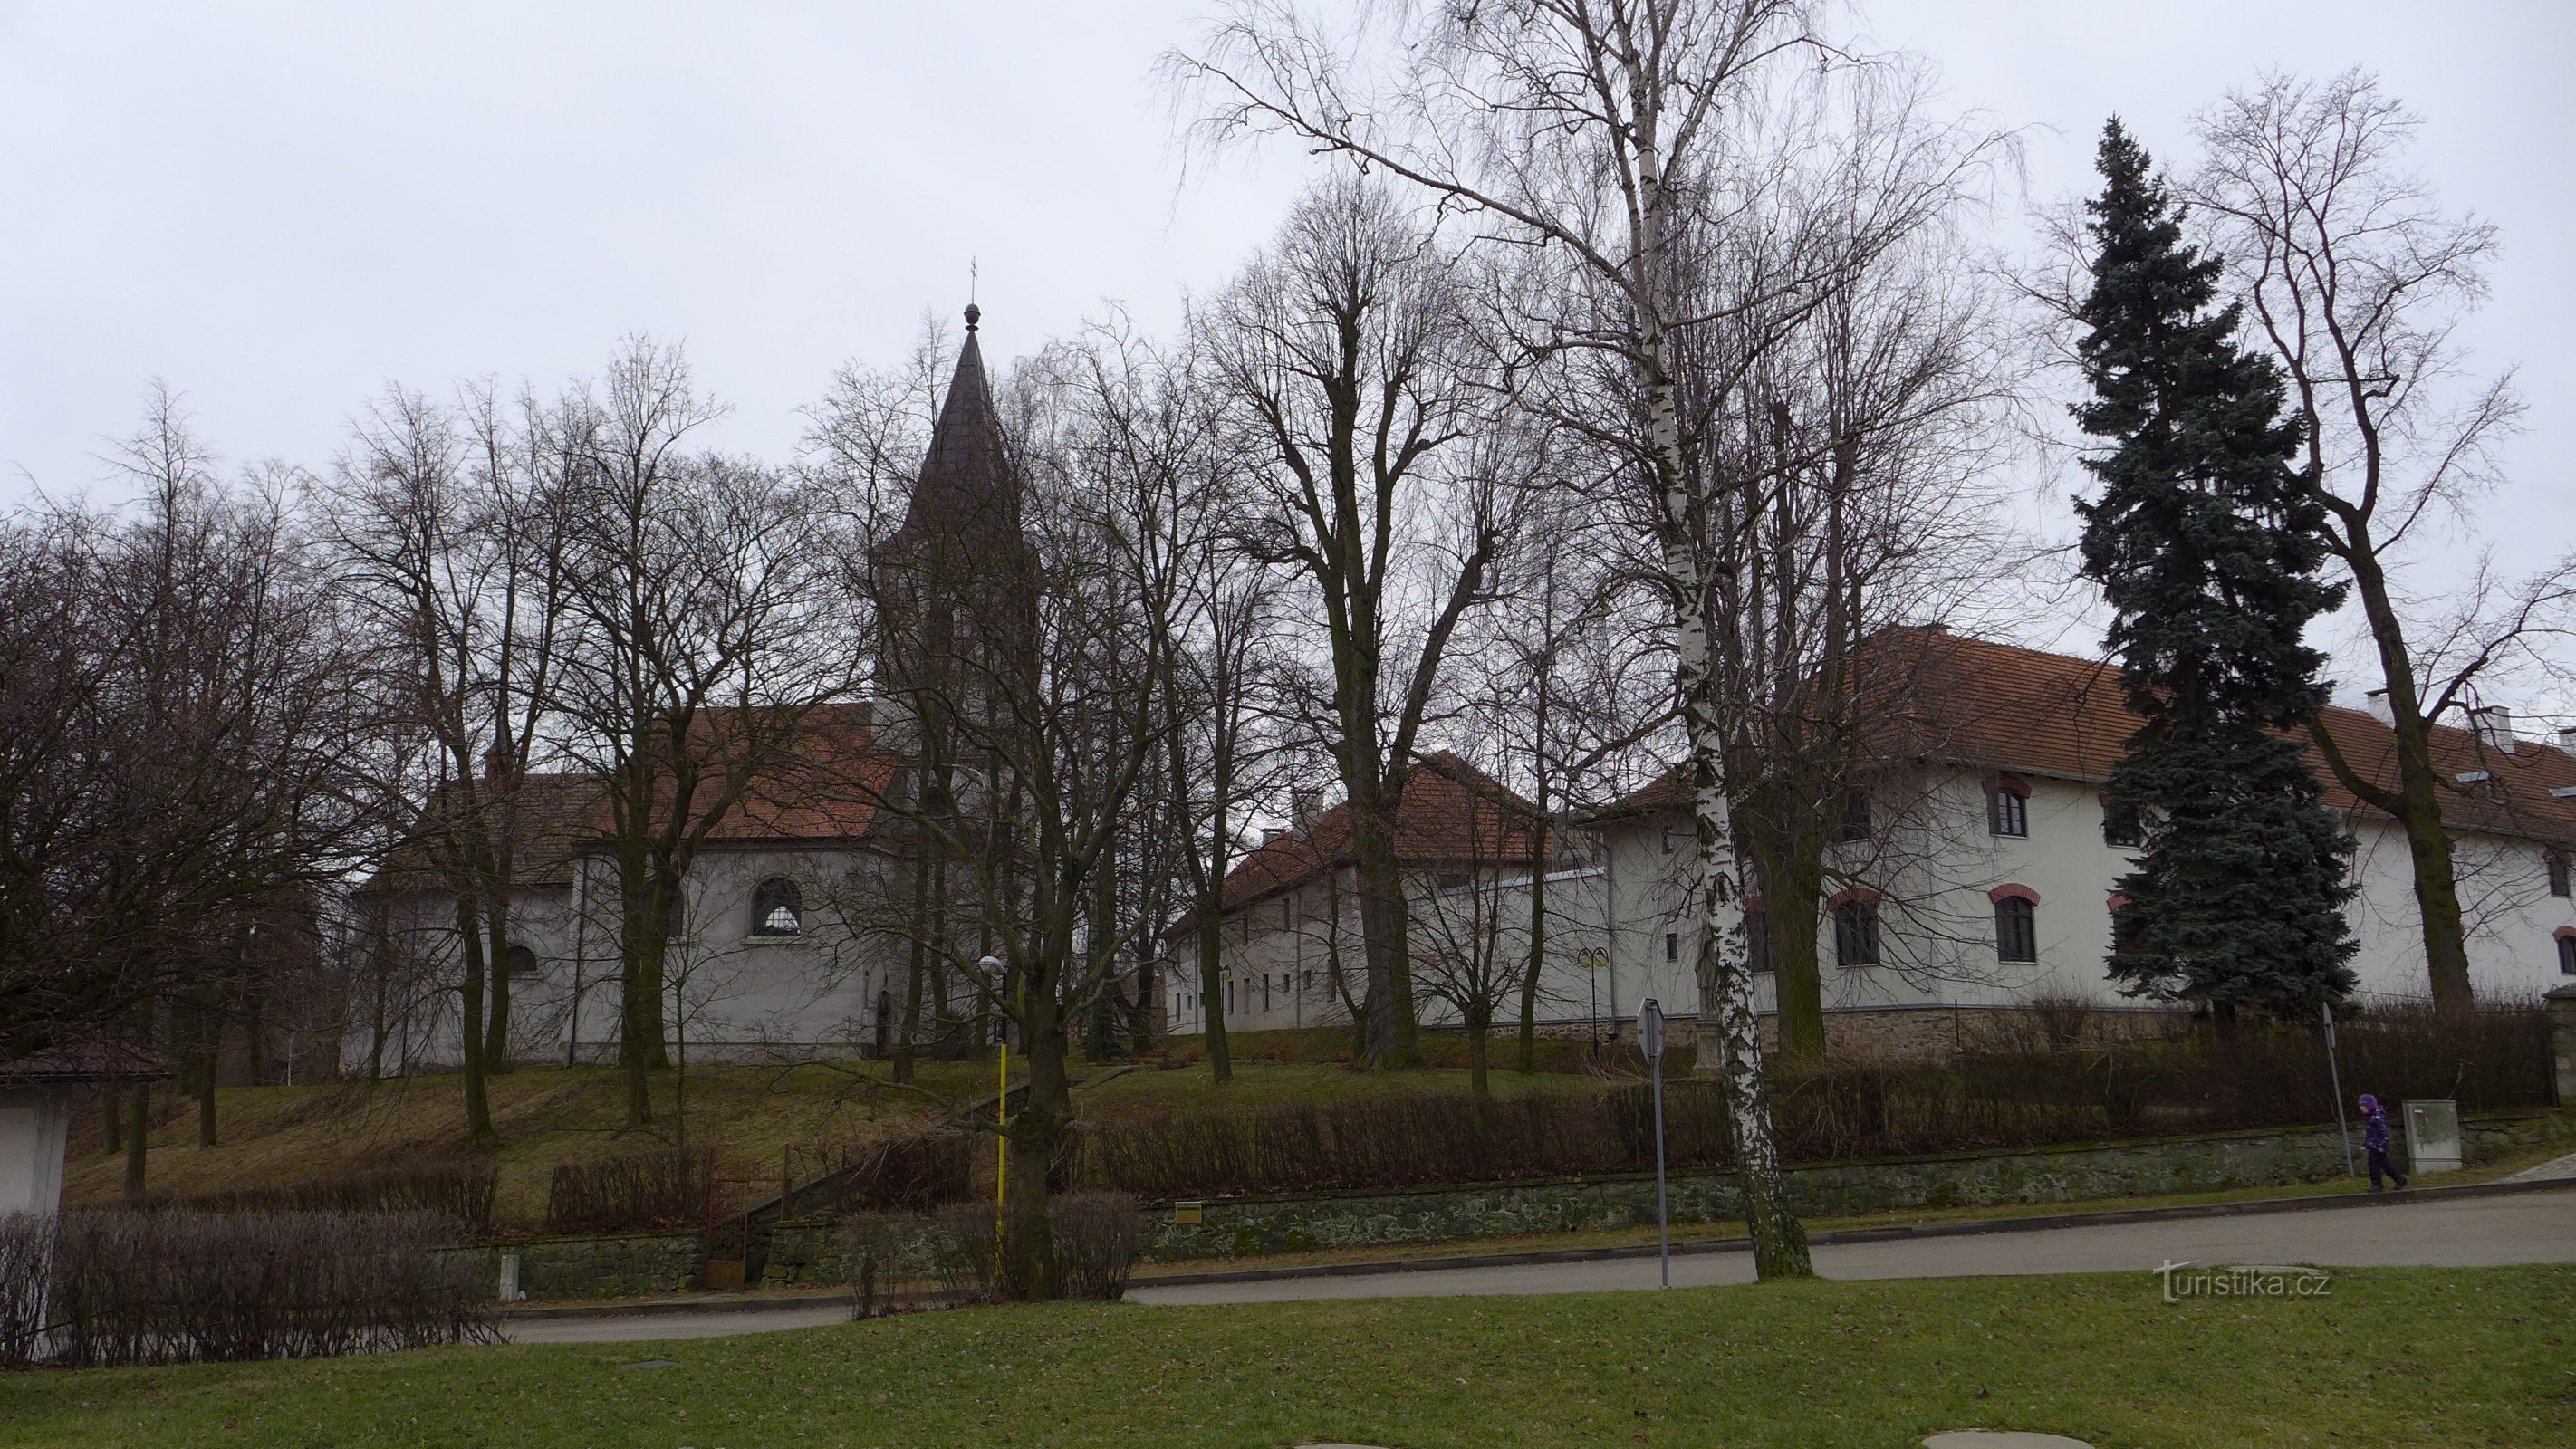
(37,1094)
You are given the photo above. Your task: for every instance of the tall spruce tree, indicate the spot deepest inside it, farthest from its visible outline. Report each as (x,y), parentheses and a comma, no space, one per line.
(2209,551)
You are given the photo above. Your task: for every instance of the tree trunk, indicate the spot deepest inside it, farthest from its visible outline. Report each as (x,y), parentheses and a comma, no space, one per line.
(496,1036)
(138,1144)
(1792,889)
(1031,1270)
(1393,1038)
(906,1048)
(1537,939)
(478,1105)
(1212,984)
(640,929)
(1726,986)
(2417,802)
(1480,1029)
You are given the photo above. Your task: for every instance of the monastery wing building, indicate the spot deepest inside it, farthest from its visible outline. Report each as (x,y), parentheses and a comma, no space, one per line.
(1974,873)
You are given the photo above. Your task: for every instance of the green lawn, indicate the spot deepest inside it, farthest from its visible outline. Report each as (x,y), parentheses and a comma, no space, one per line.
(2389,1357)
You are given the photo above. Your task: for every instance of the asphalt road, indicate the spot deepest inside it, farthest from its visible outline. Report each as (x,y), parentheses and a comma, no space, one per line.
(2537,1227)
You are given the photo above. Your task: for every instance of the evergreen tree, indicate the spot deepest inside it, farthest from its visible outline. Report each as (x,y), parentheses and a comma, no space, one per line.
(2209,551)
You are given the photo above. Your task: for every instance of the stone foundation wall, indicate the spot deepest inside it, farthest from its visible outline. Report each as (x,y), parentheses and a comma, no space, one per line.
(632,1265)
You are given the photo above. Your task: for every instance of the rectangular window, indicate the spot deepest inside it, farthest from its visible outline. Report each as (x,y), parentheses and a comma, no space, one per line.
(1668,842)
(2016,930)
(1672,945)
(2007,812)
(1757,941)
(2121,826)
(1854,824)
(2567,955)
(1856,934)
(2558,883)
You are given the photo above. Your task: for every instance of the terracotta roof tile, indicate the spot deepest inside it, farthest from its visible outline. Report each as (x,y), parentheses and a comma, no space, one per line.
(1452,812)
(97,1061)
(1990,706)
(825,792)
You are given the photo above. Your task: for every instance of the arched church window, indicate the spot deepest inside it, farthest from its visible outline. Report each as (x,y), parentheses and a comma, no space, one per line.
(777,909)
(520,961)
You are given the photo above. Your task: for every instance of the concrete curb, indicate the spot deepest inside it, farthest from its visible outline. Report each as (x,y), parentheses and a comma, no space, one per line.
(780,1301)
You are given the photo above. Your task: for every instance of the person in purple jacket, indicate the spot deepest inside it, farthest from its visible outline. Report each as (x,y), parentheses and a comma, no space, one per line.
(2374,1140)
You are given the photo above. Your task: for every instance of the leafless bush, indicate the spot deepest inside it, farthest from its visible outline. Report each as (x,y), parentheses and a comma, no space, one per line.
(663,1188)
(871,1242)
(26,1254)
(907,1174)
(1097,1238)
(2094,1086)
(128,1288)
(462,1194)
(964,1249)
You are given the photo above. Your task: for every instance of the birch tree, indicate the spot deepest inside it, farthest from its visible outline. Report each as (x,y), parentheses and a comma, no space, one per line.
(1590,129)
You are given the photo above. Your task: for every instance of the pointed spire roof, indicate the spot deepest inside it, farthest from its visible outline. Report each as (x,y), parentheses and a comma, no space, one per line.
(966,489)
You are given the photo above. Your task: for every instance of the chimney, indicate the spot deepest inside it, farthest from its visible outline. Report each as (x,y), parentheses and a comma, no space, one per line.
(2494,725)
(2377,703)
(2567,740)
(1270,834)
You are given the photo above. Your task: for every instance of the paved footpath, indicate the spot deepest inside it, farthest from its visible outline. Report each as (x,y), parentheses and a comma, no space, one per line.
(2538,1227)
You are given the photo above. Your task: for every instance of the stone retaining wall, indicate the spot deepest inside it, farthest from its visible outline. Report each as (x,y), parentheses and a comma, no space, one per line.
(809,1250)
(805,1252)
(626,1265)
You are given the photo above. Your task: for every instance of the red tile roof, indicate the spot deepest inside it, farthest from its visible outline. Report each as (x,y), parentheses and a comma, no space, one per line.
(1452,813)
(1989,706)
(825,791)
(98,1061)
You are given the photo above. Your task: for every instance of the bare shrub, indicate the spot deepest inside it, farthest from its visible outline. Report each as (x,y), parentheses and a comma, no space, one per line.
(461,1193)
(965,1251)
(870,1242)
(663,1188)
(908,1174)
(2093,1084)
(26,1256)
(128,1288)
(1097,1238)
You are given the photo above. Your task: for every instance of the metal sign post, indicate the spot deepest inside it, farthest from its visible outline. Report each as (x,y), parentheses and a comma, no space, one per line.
(1650,1040)
(2334,1075)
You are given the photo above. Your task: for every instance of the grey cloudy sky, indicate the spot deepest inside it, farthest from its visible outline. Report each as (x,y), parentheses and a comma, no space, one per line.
(278,208)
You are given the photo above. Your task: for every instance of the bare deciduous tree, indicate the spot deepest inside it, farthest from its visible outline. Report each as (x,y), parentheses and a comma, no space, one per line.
(2358,279)
(1347,344)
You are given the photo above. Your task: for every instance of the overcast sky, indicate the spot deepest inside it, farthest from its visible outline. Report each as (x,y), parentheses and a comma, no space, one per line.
(276,209)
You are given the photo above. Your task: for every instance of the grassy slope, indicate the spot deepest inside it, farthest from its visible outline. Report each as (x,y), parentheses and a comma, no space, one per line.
(279,1135)
(2391,1357)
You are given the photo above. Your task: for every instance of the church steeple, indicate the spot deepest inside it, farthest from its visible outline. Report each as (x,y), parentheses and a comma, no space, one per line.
(967,492)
